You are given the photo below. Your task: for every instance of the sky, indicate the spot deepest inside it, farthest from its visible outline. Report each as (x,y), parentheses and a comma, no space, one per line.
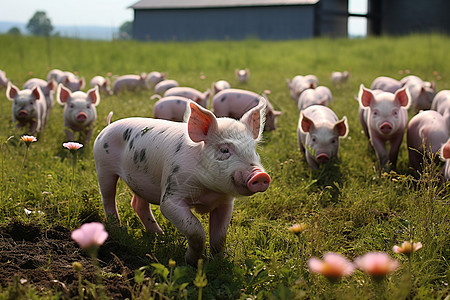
(108,13)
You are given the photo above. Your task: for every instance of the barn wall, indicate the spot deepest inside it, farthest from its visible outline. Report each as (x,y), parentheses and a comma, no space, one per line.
(411,16)
(266,23)
(332,18)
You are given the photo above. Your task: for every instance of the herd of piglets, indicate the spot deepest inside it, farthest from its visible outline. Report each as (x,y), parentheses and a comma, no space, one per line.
(187,156)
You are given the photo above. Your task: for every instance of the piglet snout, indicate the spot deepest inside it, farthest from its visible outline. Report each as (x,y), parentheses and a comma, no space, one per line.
(258,182)
(81,117)
(322,158)
(23,114)
(386,127)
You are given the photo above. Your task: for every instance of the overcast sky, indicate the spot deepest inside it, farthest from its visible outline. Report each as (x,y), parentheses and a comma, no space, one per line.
(110,13)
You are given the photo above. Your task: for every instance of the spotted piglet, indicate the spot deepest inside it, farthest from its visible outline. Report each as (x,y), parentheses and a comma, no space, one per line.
(202,163)
(80,113)
(318,134)
(384,117)
(29,108)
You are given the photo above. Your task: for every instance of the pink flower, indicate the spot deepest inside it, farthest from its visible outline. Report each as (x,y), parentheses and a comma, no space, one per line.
(333,266)
(90,234)
(407,248)
(72,145)
(376,264)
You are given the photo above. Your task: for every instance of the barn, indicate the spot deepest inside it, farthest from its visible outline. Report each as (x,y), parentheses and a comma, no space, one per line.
(401,17)
(192,20)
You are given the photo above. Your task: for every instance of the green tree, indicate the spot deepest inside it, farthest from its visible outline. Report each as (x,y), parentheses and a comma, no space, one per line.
(126,30)
(40,24)
(14,30)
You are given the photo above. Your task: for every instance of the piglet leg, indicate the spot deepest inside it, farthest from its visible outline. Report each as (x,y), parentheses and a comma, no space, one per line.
(180,215)
(142,208)
(219,220)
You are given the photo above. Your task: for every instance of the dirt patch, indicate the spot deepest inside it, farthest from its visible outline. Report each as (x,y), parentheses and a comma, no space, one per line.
(44,258)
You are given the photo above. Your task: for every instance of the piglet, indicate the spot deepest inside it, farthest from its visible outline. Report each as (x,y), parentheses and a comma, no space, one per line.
(318,134)
(3,79)
(386,84)
(339,77)
(48,89)
(441,104)
(427,131)
(234,103)
(130,83)
(384,117)
(103,84)
(422,94)
(28,108)
(162,86)
(80,111)
(191,93)
(171,108)
(202,163)
(155,77)
(69,79)
(444,155)
(243,75)
(301,83)
(318,96)
(220,85)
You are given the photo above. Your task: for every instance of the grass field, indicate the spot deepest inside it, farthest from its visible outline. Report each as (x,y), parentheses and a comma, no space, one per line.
(349,207)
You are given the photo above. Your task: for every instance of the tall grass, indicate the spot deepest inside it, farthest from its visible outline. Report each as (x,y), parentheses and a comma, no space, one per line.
(350,208)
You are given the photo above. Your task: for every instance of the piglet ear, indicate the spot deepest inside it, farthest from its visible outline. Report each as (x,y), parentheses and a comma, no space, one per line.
(37,93)
(11,91)
(365,96)
(200,122)
(342,127)
(63,94)
(255,118)
(82,83)
(306,123)
(403,97)
(445,151)
(51,84)
(94,95)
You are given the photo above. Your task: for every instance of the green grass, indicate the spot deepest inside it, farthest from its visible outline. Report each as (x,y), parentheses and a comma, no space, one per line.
(350,207)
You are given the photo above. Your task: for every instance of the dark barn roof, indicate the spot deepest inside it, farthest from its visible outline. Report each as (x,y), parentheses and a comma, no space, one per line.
(179,4)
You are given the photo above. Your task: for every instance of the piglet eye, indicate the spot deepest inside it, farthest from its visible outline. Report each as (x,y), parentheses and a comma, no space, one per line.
(224,152)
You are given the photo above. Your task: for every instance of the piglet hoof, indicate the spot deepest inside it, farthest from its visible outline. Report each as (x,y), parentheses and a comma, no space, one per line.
(192,258)
(154,228)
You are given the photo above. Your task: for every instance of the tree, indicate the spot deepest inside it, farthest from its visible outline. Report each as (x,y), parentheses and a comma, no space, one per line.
(126,30)
(14,30)
(39,24)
